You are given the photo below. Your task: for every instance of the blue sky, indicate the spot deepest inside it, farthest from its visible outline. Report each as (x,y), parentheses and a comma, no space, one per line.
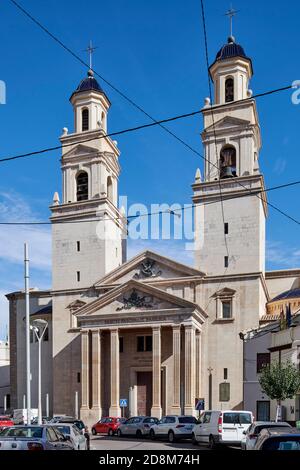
(153,51)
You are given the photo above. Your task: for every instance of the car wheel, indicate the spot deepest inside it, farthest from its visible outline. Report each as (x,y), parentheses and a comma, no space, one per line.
(152,434)
(171,436)
(194,441)
(94,432)
(139,434)
(119,433)
(212,444)
(110,432)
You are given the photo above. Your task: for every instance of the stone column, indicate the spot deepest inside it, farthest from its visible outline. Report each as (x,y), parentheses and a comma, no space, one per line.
(156,372)
(176,408)
(114,409)
(96,373)
(189,395)
(85,371)
(198,364)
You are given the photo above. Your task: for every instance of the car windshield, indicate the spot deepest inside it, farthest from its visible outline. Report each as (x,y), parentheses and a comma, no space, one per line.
(282,443)
(65,430)
(26,431)
(79,424)
(187,419)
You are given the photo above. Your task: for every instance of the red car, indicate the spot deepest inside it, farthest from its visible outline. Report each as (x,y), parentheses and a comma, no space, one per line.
(107,425)
(5,422)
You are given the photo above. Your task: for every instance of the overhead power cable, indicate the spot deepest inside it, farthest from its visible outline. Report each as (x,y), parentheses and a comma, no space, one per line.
(148,214)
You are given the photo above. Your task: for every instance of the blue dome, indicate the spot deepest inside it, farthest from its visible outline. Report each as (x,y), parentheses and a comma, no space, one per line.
(88,84)
(231,49)
(289,294)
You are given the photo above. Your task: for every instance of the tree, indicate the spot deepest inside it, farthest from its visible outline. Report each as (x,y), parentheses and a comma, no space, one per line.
(280,381)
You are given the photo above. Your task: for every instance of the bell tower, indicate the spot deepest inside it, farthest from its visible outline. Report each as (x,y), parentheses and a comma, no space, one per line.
(88,230)
(230,205)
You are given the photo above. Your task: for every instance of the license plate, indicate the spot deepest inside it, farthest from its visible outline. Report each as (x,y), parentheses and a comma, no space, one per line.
(189,428)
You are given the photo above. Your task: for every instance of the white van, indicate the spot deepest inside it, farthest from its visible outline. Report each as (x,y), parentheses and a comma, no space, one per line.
(20,415)
(222,427)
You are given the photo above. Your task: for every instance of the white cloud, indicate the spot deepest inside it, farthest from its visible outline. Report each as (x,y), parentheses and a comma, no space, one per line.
(13,208)
(281,255)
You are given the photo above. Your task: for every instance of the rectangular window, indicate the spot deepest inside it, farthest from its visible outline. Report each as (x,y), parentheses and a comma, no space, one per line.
(78,377)
(140,343)
(148,343)
(78,246)
(262,360)
(78,276)
(144,343)
(225,373)
(224,393)
(121,344)
(226,228)
(226,309)
(226,262)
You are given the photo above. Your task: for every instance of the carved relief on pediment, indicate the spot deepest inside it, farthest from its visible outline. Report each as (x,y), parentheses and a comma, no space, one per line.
(147,269)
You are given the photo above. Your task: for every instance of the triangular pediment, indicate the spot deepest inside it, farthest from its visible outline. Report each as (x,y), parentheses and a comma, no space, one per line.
(227,122)
(225,292)
(147,267)
(134,296)
(77,304)
(80,150)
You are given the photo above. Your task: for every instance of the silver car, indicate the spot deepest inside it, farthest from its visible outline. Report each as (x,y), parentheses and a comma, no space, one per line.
(138,426)
(71,432)
(33,438)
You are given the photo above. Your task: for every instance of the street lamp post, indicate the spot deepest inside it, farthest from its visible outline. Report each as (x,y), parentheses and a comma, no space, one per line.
(39,327)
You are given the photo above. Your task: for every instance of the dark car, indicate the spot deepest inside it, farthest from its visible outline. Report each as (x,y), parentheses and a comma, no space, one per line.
(278,439)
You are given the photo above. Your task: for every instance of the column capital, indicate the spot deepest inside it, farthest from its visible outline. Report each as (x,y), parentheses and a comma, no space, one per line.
(176,327)
(156,328)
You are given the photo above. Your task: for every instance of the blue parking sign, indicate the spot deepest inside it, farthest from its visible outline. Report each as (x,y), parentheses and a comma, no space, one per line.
(123,402)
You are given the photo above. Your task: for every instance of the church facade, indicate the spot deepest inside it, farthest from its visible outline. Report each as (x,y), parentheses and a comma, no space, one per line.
(156,332)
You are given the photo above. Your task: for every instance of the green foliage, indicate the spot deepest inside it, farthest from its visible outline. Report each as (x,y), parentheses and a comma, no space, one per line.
(280,381)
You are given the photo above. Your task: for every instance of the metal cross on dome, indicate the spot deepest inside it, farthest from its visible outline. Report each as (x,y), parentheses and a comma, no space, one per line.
(231,14)
(90,49)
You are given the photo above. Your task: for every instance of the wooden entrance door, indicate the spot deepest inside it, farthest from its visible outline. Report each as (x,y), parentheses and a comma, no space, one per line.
(144,393)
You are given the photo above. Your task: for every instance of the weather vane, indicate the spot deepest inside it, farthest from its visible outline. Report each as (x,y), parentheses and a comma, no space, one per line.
(231,14)
(90,51)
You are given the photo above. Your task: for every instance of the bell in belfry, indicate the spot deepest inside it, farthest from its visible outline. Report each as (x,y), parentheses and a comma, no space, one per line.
(228,162)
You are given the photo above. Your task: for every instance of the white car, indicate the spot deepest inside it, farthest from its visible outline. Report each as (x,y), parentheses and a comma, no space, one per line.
(251,435)
(173,428)
(71,431)
(222,427)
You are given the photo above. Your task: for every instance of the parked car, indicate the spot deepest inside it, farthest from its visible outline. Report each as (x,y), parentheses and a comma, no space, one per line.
(251,435)
(278,439)
(72,432)
(107,425)
(222,427)
(138,426)
(33,438)
(173,428)
(68,419)
(5,421)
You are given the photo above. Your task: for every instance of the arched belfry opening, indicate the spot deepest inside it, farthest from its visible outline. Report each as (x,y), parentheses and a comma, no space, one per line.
(82,186)
(110,195)
(228,162)
(229,90)
(85,119)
